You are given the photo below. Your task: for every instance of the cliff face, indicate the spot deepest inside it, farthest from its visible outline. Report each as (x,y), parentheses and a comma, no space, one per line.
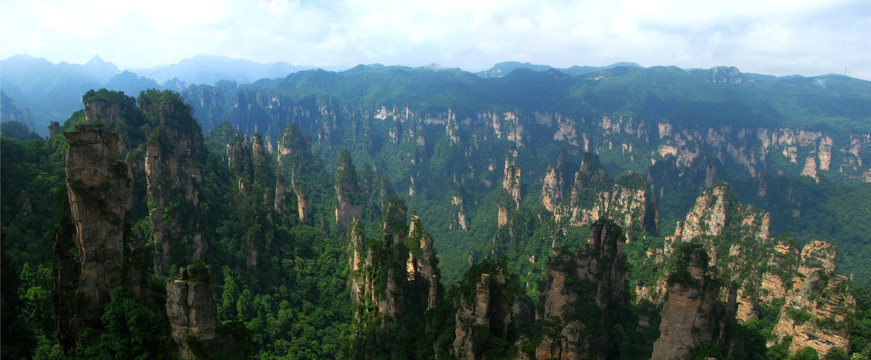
(594,195)
(486,313)
(819,304)
(594,278)
(692,314)
(511,185)
(175,147)
(717,213)
(348,197)
(191,309)
(737,241)
(98,188)
(411,285)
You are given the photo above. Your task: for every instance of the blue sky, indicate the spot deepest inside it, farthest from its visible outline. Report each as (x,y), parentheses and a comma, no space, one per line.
(806,37)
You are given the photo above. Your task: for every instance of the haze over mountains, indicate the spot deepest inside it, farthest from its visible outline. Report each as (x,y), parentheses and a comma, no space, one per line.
(396,212)
(46,92)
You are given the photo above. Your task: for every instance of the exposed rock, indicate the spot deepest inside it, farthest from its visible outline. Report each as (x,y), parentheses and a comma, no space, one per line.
(551,189)
(692,314)
(487,313)
(723,74)
(348,196)
(106,114)
(715,211)
(511,180)
(301,204)
(53,128)
(810,169)
(593,277)
(175,146)
(280,195)
(554,185)
(819,305)
(457,200)
(595,195)
(191,309)
(406,254)
(98,189)
(737,240)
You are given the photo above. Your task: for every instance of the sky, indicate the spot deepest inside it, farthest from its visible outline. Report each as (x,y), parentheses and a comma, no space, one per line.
(778,37)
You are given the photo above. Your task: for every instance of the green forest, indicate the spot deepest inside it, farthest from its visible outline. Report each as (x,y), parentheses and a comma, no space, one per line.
(364,214)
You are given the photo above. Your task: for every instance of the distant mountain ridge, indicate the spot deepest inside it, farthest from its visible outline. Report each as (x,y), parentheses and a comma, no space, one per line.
(50,92)
(506,67)
(209,69)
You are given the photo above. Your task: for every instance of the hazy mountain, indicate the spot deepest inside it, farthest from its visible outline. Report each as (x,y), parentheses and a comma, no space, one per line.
(504,68)
(51,91)
(131,83)
(208,69)
(101,70)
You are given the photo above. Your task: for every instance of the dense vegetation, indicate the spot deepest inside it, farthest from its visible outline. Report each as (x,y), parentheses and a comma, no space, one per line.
(291,297)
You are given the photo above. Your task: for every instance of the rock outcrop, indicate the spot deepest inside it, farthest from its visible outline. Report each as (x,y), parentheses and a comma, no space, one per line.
(595,195)
(593,278)
(174,150)
(411,285)
(819,305)
(349,202)
(486,312)
(692,314)
(511,186)
(737,240)
(191,309)
(98,188)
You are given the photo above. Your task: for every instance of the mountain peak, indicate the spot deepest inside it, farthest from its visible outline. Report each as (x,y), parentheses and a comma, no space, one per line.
(101,70)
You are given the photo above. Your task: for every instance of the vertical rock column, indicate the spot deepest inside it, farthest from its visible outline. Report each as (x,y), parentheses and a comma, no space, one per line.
(191,310)
(175,146)
(819,305)
(98,188)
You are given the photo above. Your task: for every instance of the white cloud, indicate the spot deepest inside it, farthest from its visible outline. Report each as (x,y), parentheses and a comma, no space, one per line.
(777,36)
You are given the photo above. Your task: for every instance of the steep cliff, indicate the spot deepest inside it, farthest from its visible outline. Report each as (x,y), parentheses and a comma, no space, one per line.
(584,292)
(173,161)
(98,187)
(193,315)
(594,195)
(819,306)
(393,281)
(349,202)
(692,315)
(512,187)
(303,171)
(737,240)
(485,306)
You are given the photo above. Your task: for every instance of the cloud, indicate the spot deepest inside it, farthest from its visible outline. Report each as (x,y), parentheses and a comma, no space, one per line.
(274,7)
(781,37)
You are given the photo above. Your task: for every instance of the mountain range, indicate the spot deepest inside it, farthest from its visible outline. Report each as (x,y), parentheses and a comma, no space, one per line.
(395,212)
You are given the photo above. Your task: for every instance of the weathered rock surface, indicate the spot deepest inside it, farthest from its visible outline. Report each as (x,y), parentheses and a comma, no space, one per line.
(511,185)
(98,188)
(407,255)
(348,197)
(595,195)
(692,314)
(819,304)
(737,240)
(191,309)
(175,146)
(487,313)
(592,278)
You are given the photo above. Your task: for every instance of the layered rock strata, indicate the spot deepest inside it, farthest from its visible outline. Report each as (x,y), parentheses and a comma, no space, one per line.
(98,188)
(819,305)
(192,311)
(592,278)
